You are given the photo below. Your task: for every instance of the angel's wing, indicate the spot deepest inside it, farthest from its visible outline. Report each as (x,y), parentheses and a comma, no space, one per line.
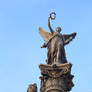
(45,35)
(68,38)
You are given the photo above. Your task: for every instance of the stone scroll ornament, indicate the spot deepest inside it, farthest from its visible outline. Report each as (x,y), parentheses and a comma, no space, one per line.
(56,74)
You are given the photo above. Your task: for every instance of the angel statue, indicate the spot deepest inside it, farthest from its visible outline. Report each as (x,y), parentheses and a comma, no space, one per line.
(55,42)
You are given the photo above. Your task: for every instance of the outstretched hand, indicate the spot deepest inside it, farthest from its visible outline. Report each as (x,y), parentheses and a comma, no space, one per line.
(44,45)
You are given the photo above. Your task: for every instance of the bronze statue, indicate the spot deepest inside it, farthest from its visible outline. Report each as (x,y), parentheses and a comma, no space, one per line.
(55,43)
(56,74)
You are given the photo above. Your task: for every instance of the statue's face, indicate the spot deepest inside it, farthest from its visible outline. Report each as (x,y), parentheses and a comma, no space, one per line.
(58,29)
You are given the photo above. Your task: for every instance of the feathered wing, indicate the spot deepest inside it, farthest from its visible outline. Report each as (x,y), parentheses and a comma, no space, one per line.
(68,38)
(45,35)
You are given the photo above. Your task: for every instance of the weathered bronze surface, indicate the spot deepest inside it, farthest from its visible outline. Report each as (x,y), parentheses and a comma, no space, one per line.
(56,74)
(55,43)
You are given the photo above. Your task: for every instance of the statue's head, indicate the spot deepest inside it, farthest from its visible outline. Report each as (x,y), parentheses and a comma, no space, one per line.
(58,29)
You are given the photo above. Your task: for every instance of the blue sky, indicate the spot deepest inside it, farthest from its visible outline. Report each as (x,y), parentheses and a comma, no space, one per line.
(20,52)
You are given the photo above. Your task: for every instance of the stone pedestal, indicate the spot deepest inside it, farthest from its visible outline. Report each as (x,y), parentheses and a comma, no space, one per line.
(56,78)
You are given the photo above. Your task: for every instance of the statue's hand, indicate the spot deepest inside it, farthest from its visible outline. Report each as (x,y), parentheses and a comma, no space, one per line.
(44,45)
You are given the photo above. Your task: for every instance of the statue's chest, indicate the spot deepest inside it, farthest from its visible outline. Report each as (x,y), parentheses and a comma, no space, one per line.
(57,40)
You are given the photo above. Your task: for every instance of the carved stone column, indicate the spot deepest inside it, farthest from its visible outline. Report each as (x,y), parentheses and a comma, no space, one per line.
(56,78)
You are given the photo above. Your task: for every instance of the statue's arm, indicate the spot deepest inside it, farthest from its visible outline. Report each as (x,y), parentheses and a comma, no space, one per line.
(50,25)
(44,45)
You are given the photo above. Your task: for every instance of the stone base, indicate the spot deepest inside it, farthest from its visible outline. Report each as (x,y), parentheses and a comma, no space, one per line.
(55,90)
(56,78)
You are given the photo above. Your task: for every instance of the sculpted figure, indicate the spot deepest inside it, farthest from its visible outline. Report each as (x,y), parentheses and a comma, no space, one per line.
(32,88)
(55,42)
